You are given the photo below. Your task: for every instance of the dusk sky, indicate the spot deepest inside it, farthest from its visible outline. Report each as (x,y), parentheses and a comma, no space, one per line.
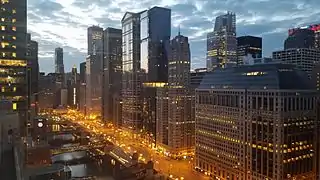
(63,23)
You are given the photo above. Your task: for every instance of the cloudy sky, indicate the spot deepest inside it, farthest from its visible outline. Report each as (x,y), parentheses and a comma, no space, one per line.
(63,23)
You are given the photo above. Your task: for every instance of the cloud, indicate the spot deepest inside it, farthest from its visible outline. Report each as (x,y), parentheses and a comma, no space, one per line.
(63,23)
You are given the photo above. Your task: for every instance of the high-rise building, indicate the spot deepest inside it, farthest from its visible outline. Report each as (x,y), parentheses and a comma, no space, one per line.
(47,91)
(112,71)
(248,46)
(155,28)
(131,74)
(33,77)
(302,31)
(13,77)
(58,60)
(256,122)
(222,42)
(300,38)
(181,126)
(73,89)
(94,69)
(303,58)
(82,88)
(162,116)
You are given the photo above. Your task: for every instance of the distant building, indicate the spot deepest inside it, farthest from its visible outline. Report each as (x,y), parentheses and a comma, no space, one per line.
(73,87)
(303,33)
(256,122)
(47,91)
(58,60)
(181,126)
(248,46)
(82,88)
(300,38)
(94,70)
(303,58)
(131,75)
(112,72)
(222,42)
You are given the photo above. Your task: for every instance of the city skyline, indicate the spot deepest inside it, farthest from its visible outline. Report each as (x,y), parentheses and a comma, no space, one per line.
(76,16)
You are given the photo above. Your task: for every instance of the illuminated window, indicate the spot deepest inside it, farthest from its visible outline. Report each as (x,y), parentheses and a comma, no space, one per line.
(14,89)
(14,46)
(2,89)
(2,19)
(3,54)
(4,44)
(14,38)
(14,54)
(4,1)
(14,106)
(14,11)
(14,20)
(14,28)
(3,28)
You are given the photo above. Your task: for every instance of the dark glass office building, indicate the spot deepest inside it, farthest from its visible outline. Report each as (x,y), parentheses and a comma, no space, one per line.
(248,46)
(256,122)
(112,71)
(13,62)
(300,38)
(82,88)
(155,28)
(58,60)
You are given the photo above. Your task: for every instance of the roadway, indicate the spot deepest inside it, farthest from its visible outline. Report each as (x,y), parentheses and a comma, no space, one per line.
(176,169)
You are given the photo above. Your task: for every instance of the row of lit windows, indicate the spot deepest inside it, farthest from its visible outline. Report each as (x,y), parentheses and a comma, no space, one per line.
(6,44)
(3,28)
(298,158)
(3,89)
(5,62)
(13,37)
(6,54)
(14,11)
(12,20)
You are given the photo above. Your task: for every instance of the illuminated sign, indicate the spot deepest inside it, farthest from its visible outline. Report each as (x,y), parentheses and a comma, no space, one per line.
(315,28)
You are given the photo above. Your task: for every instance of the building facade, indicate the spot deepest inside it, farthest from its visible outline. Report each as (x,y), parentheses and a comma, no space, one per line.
(131,74)
(300,38)
(58,60)
(248,46)
(13,64)
(222,42)
(155,28)
(303,58)
(254,122)
(315,28)
(94,69)
(82,88)
(180,123)
(112,72)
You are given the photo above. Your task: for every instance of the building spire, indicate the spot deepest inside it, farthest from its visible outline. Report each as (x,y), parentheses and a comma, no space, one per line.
(179,32)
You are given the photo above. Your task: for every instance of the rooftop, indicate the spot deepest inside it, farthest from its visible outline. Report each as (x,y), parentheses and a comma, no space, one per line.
(259,76)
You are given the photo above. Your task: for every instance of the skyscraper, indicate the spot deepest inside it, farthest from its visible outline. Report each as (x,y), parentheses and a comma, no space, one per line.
(94,69)
(58,60)
(33,77)
(180,122)
(300,38)
(248,47)
(256,122)
(131,74)
(155,28)
(82,88)
(13,77)
(222,42)
(112,71)
(73,86)
(315,28)
(305,59)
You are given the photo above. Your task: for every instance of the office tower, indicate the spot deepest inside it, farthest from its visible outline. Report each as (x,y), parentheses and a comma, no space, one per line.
(112,71)
(47,91)
(13,62)
(222,42)
(315,76)
(33,79)
(58,60)
(315,28)
(303,58)
(162,116)
(180,122)
(155,28)
(256,122)
(300,38)
(73,86)
(131,75)
(248,46)
(82,88)
(94,71)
